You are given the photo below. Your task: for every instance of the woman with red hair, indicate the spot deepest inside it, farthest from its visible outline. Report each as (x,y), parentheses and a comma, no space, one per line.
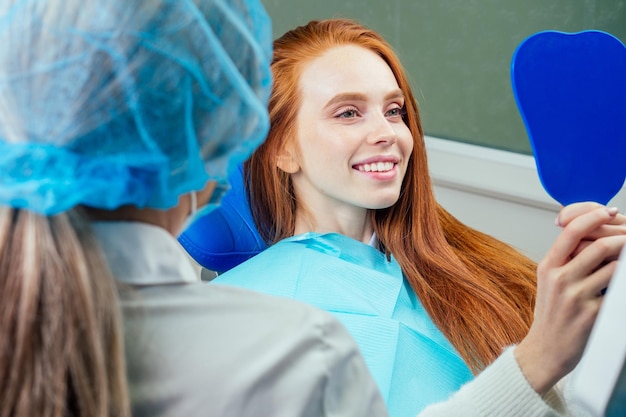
(341,191)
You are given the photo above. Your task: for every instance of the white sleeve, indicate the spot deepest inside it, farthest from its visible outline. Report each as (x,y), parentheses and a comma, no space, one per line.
(500,390)
(573,408)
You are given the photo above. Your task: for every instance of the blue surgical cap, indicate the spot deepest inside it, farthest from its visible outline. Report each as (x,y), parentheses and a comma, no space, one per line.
(128,102)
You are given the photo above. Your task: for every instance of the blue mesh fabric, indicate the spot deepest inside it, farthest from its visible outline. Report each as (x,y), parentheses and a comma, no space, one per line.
(108,103)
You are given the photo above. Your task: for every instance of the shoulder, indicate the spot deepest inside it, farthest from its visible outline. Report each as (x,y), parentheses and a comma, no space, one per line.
(292,315)
(215,344)
(203,310)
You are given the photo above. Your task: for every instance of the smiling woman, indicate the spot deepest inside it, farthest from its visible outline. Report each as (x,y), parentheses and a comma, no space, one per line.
(341,192)
(351,104)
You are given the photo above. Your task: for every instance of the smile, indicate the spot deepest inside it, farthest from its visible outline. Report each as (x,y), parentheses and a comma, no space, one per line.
(376,167)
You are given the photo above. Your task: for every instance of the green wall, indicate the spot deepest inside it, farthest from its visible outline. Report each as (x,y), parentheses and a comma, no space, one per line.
(458,52)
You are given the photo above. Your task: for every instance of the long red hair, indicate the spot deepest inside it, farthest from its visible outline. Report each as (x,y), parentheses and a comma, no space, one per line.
(479,291)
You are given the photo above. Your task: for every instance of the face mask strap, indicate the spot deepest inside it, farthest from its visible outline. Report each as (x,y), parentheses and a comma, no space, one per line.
(194,203)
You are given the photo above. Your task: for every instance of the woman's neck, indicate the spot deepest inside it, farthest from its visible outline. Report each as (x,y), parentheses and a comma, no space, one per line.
(356,227)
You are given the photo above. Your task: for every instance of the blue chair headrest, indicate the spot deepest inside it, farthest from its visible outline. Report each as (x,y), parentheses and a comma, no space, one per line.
(570,89)
(226,236)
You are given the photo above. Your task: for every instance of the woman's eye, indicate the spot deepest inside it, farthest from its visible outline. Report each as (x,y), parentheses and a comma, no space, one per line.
(348,114)
(395,112)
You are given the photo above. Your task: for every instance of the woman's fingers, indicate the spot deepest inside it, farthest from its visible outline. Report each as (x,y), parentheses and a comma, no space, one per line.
(596,254)
(603,253)
(600,280)
(566,244)
(570,212)
(607,230)
(614,227)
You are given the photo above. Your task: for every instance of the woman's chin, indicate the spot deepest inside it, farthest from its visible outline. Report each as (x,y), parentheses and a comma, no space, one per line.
(383,203)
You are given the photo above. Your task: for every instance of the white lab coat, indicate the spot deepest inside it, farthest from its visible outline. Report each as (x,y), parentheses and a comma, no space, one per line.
(199,349)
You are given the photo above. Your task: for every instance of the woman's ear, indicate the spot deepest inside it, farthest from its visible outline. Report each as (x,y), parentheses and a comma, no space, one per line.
(287,161)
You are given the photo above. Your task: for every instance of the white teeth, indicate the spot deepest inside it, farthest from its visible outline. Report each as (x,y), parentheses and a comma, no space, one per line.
(377,167)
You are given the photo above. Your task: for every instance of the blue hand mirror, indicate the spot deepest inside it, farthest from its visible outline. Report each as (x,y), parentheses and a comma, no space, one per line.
(570,89)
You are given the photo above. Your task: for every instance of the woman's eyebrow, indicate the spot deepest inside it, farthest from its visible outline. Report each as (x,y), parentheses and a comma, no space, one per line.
(394,95)
(339,98)
(345,97)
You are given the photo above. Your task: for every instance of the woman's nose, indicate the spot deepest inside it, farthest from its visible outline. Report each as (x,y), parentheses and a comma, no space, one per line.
(382,131)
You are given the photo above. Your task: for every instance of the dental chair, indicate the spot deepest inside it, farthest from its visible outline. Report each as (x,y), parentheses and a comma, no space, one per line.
(227,236)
